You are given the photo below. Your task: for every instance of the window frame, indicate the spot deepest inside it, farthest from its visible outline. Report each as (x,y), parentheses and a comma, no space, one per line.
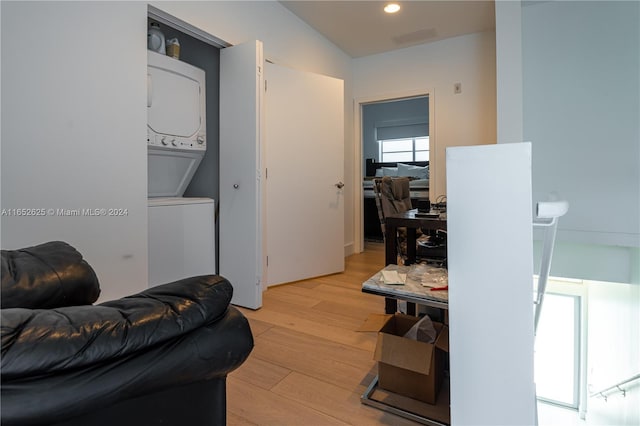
(414,140)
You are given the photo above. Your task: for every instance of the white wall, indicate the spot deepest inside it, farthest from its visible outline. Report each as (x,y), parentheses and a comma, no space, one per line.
(468,118)
(73,131)
(581,104)
(73,115)
(287,41)
(509,71)
(614,352)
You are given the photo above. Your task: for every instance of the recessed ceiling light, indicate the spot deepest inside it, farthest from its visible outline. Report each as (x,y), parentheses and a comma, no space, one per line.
(392,8)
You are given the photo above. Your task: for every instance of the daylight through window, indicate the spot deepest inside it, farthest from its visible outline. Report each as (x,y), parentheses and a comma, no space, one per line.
(406,149)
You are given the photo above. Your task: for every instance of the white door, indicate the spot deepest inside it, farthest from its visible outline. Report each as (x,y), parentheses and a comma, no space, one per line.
(305,164)
(241,169)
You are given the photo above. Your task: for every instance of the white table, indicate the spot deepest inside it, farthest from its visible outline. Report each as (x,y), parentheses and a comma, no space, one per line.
(415,292)
(412,291)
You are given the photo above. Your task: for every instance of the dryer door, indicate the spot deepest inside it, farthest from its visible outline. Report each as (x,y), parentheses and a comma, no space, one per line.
(170,171)
(175,104)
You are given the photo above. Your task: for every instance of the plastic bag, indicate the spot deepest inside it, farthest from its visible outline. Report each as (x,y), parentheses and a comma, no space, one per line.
(422,331)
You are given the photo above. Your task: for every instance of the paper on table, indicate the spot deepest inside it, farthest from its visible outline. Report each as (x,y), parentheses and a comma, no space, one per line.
(393,277)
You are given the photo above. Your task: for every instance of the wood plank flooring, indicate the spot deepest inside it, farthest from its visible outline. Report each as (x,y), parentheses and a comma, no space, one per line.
(309,365)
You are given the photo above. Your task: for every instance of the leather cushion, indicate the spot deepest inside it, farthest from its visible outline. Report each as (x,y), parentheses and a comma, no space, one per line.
(39,341)
(45,276)
(204,354)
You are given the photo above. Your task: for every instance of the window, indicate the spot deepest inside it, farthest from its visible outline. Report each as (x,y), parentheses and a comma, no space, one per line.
(558,343)
(407,149)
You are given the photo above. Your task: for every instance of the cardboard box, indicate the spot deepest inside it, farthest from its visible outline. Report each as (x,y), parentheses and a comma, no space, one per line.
(405,366)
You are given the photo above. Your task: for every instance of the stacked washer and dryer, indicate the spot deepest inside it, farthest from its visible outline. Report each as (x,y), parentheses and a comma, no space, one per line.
(181,229)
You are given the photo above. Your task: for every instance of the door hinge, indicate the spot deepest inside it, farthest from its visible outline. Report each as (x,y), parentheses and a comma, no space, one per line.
(265,85)
(267,260)
(266,173)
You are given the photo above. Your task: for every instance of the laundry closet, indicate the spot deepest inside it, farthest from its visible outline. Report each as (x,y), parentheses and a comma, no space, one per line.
(300,116)
(182,154)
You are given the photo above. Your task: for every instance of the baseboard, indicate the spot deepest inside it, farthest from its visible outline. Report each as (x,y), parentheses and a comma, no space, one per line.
(349,249)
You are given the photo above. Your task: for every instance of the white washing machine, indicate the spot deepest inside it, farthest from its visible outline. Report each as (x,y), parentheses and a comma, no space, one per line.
(181,238)
(181,230)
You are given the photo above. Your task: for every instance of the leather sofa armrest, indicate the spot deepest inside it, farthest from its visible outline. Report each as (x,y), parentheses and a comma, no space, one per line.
(46,276)
(54,341)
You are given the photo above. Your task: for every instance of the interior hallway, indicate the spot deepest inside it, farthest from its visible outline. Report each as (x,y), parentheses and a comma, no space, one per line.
(310,365)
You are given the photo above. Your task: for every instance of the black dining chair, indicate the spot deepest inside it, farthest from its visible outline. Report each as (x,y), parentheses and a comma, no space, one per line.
(392,195)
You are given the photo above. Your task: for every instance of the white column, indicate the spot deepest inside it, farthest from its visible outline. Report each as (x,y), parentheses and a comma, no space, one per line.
(490,284)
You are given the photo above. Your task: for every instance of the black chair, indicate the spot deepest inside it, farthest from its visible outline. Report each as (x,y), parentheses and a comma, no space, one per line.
(159,357)
(393,196)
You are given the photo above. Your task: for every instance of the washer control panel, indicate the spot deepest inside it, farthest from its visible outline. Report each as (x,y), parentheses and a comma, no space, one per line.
(167,141)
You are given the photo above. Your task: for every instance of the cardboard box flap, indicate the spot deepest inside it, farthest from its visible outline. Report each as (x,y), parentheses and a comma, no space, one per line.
(404,353)
(442,341)
(399,324)
(374,322)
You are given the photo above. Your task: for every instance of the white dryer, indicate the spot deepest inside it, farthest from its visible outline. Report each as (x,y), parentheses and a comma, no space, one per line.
(181,238)
(176,124)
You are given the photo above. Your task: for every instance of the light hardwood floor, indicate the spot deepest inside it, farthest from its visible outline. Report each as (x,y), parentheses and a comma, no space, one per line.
(310,365)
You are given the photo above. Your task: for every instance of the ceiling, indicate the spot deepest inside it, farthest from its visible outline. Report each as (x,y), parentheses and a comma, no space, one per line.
(361,28)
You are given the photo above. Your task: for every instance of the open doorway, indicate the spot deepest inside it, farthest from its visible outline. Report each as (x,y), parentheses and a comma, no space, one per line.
(390,130)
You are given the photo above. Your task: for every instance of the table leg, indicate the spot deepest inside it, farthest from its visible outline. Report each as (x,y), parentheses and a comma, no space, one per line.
(411,246)
(390,305)
(391,245)
(411,309)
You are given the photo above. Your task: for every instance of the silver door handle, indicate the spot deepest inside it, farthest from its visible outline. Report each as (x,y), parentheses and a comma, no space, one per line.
(340,185)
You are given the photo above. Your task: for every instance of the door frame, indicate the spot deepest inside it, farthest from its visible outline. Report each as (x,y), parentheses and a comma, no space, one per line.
(185,27)
(357,167)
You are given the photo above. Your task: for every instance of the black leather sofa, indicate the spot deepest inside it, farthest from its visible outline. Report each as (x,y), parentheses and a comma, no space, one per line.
(157,357)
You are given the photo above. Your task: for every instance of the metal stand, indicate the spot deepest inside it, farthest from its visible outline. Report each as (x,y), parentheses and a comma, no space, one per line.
(368,400)
(547,214)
